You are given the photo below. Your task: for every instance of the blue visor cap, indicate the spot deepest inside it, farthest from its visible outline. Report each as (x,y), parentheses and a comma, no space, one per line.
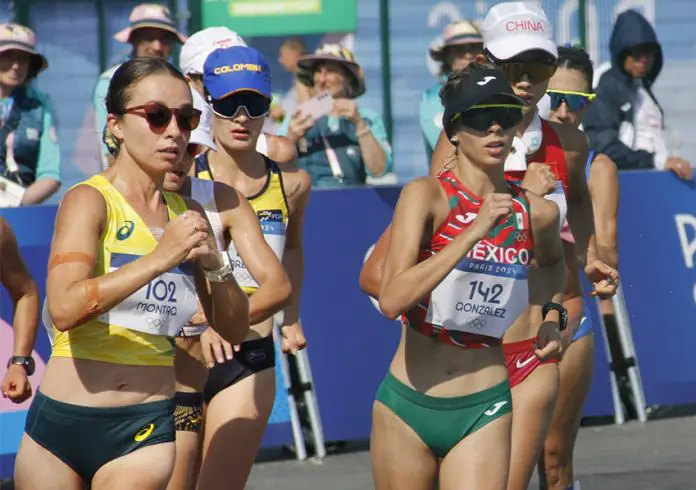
(239,68)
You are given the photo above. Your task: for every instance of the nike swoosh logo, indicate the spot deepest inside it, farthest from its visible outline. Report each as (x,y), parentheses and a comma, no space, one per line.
(520,365)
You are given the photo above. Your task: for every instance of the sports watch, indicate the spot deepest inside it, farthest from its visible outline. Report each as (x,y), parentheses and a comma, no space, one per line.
(562,312)
(27,362)
(223,273)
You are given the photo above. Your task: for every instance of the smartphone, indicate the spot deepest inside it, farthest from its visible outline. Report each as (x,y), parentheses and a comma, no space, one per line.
(318,106)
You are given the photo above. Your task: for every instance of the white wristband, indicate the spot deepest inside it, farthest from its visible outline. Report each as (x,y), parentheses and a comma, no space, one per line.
(223,273)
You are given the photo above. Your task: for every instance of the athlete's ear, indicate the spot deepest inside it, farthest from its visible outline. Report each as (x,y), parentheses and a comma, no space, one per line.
(114,126)
(481,59)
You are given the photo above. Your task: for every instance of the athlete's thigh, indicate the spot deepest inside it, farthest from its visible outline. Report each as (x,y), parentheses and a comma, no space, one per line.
(532,408)
(480,461)
(187,445)
(400,459)
(147,468)
(236,419)
(37,468)
(575,380)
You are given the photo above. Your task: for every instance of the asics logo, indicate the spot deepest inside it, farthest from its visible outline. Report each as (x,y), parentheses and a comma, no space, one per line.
(485,80)
(520,365)
(496,408)
(144,433)
(125,230)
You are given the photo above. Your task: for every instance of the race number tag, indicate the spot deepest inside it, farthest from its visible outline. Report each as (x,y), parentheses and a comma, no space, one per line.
(273,229)
(480,297)
(161,307)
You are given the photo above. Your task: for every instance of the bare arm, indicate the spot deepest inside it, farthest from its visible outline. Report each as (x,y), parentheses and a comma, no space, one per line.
(548,251)
(580,213)
(22,289)
(298,184)
(74,294)
(274,286)
(225,304)
(39,191)
(604,189)
(371,273)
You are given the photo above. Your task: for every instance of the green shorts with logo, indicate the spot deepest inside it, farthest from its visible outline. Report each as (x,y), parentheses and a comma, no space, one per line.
(442,422)
(86,438)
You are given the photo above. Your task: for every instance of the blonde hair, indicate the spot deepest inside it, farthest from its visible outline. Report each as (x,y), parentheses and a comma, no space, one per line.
(113,144)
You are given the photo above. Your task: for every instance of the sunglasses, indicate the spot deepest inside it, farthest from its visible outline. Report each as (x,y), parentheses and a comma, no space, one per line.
(255,105)
(576,101)
(536,71)
(481,117)
(158,116)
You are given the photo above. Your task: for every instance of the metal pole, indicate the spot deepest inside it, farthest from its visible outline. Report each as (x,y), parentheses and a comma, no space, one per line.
(101,29)
(384,34)
(582,21)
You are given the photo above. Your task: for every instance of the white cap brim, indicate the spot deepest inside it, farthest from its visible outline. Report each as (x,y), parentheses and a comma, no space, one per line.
(201,137)
(508,47)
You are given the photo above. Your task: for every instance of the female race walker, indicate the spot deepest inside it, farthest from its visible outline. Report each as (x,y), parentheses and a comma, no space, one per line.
(570,92)
(461,269)
(240,391)
(117,295)
(232,219)
(560,154)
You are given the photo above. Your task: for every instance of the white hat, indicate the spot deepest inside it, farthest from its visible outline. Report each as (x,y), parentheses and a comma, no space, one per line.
(197,47)
(201,135)
(512,28)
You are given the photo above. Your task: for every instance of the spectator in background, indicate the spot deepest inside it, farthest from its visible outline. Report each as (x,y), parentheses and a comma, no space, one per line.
(343,147)
(152,33)
(626,121)
(193,54)
(461,43)
(29,152)
(292,49)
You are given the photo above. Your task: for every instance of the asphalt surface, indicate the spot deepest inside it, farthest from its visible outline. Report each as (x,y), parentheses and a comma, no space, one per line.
(658,455)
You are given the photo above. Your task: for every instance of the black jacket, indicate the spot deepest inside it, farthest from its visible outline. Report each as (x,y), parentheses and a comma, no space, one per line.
(617,93)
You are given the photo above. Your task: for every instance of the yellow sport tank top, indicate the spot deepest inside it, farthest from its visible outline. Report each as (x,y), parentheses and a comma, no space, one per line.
(271,207)
(121,336)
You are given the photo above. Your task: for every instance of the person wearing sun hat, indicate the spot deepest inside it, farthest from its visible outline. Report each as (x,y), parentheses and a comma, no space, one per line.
(350,143)
(460,44)
(152,33)
(29,151)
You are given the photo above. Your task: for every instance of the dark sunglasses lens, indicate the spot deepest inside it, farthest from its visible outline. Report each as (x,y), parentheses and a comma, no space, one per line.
(482,119)
(188,119)
(256,105)
(575,102)
(158,116)
(536,71)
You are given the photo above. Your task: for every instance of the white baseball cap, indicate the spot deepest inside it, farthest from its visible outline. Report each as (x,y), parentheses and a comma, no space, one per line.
(511,28)
(201,135)
(197,47)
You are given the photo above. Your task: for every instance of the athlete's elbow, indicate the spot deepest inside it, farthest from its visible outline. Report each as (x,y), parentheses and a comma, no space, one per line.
(63,319)
(369,285)
(390,305)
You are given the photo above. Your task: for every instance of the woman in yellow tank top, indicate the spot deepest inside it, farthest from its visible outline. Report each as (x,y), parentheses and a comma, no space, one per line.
(127,262)
(241,385)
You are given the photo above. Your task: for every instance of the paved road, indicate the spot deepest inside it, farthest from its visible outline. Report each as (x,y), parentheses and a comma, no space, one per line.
(659,455)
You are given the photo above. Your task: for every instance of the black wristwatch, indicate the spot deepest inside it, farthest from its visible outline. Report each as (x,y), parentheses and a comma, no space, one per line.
(25,361)
(562,312)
